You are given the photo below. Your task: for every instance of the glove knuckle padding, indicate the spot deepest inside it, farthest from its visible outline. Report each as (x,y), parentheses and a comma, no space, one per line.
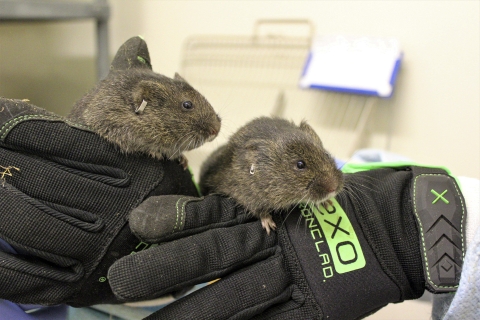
(66,205)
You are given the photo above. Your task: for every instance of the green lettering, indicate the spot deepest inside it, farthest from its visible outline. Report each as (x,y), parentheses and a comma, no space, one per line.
(328,272)
(317,245)
(305,212)
(312,232)
(346,252)
(330,209)
(325,257)
(311,223)
(345,249)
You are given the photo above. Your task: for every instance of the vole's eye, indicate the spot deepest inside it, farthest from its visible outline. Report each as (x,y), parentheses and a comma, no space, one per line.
(301,165)
(187,105)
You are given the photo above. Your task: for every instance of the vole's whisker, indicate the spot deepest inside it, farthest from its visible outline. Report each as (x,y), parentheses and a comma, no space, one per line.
(293,208)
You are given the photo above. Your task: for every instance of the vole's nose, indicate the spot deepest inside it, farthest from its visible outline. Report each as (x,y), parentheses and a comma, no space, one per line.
(216,127)
(213,132)
(333,187)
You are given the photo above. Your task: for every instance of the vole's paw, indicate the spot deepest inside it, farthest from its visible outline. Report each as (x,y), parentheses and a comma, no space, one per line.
(268,224)
(327,203)
(183,161)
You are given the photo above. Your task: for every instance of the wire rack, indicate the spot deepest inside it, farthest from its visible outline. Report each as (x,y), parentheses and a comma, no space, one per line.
(253,75)
(258,60)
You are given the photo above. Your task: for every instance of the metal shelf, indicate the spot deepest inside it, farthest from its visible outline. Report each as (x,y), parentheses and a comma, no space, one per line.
(36,10)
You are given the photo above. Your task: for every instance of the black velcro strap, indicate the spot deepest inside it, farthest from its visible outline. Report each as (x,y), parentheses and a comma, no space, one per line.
(440,211)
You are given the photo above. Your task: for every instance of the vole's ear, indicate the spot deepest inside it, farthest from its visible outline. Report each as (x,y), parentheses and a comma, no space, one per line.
(154,93)
(305,127)
(255,150)
(253,145)
(251,151)
(179,77)
(131,55)
(256,146)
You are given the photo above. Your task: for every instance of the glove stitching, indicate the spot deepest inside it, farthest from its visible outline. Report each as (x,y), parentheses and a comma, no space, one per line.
(179,215)
(12,123)
(77,125)
(421,227)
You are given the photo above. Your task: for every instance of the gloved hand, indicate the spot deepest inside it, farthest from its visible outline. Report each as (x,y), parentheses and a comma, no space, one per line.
(385,238)
(65,196)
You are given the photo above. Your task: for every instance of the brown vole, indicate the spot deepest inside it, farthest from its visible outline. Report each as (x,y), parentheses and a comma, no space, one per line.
(271,164)
(175,117)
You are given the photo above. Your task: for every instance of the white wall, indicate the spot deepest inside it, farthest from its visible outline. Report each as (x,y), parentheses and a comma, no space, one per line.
(436,107)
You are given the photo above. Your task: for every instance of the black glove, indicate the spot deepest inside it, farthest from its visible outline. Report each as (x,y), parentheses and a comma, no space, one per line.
(65,196)
(385,240)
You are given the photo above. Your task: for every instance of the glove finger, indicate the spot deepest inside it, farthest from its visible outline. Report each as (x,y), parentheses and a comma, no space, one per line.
(48,223)
(188,261)
(164,218)
(37,195)
(241,295)
(25,281)
(53,182)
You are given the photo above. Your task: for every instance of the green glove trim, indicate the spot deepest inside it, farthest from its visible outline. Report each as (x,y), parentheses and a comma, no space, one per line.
(194,181)
(357,167)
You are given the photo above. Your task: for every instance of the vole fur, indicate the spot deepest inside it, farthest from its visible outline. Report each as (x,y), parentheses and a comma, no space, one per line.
(272,164)
(176,118)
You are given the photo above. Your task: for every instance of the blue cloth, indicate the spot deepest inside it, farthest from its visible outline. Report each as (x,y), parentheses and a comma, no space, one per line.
(466,303)
(5,247)
(339,163)
(375,155)
(10,310)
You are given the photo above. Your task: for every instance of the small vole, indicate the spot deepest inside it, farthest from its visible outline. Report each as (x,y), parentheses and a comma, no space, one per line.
(271,164)
(143,111)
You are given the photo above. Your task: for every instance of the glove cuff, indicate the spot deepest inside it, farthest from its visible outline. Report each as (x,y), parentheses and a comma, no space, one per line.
(13,112)
(440,210)
(16,111)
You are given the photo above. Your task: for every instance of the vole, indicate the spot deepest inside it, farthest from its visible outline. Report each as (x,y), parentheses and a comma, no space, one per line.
(143,111)
(272,164)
